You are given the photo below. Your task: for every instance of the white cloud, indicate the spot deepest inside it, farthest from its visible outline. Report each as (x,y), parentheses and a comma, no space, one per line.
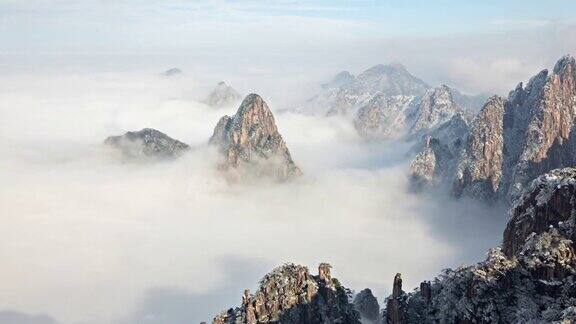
(85,237)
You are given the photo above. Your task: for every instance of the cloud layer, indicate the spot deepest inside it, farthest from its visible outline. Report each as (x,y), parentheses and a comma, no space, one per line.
(87,238)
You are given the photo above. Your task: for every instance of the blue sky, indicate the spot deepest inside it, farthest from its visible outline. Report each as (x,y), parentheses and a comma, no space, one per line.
(479,45)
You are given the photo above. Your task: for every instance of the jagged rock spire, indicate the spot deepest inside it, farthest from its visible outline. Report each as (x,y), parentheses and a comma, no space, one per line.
(251,143)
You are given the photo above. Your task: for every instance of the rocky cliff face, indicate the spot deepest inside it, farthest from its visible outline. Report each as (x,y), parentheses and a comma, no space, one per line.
(291,295)
(251,144)
(146,143)
(383,117)
(531,279)
(223,96)
(437,153)
(514,140)
(434,109)
(479,169)
(538,124)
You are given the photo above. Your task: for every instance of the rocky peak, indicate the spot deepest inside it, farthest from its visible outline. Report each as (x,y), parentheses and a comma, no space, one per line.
(250,142)
(222,96)
(436,159)
(346,94)
(538,125)
(480,166)
(565,65)
(339,80)
(392,80)
(383,117)
(435,108)
(291,295)
(324,272)
(368,307)
(146,143)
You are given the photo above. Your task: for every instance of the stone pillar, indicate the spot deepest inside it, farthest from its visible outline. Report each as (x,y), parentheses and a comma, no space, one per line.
(324,272)
(247,303)
(397,289)
(426,290)
(393,312)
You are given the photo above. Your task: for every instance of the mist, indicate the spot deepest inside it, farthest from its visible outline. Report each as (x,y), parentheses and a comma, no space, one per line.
(87,237)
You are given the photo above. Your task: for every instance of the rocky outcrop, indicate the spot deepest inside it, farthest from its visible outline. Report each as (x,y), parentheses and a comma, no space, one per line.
(532,278)
(549,201)
(479,168)
(434,109)
(437,155)
(538,125)
(368,307)
(223,96)
(146,143)
(291,295)
(512,141)
(251,144)
(383,117)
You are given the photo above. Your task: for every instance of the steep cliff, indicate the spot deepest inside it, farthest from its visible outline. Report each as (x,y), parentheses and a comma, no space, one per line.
(532,278)
(512,141)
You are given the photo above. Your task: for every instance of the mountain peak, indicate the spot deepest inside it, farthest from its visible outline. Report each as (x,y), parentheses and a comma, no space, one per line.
(223,95)
(251,142)
(146,143)
(387,69)
(563,63)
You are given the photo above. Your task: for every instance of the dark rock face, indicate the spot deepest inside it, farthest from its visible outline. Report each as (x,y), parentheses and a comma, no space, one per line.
(549,201)
(513,141)
(222,96)
(367,305)
(251,143)
(146,143)
(531,279)
(291,295)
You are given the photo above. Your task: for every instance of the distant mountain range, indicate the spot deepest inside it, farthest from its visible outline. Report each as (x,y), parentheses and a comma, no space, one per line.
(387,102)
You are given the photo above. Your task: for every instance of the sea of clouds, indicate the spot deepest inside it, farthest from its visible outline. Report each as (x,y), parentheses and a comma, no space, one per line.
(88,238)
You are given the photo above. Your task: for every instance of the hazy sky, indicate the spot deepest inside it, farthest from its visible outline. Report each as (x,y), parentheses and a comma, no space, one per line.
(477,46)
